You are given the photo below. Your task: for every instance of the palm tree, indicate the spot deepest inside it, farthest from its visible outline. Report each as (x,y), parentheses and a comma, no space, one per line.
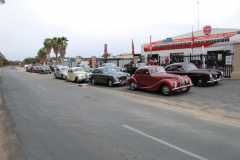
(42,54)
(63,47)
(56,46)
(48,44)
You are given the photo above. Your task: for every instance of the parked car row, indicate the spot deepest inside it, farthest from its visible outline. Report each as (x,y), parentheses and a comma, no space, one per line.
(39,69)
(174,77)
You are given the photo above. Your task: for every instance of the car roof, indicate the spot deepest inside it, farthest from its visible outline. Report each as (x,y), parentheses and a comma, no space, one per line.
(179,63)
(150,67)
(75,67)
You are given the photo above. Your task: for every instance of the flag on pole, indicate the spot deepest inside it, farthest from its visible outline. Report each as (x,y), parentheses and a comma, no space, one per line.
(105,50)
(133,48)
(192,44)
(150,43)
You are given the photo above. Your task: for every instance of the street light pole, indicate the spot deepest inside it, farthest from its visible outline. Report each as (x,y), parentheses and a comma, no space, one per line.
(198,14)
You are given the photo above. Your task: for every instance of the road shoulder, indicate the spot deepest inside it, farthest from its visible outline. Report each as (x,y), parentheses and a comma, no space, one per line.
(9,142)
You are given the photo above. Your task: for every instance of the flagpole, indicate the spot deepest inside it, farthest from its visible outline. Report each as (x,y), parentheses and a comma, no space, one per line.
(198,14)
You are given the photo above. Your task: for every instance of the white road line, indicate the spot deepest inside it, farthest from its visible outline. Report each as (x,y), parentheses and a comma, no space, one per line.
(165,143)
(42,88)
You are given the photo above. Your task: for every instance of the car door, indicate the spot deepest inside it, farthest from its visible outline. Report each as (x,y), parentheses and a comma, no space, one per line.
(143,78)
(70,75)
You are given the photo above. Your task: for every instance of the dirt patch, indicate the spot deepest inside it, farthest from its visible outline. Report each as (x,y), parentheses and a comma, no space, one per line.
(9,143)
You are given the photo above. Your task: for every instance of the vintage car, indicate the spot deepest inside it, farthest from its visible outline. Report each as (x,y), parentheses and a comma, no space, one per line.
(108,75)
(44,69)
(199,77)
(35,69)
(77,74)
(154,78)
(61,72)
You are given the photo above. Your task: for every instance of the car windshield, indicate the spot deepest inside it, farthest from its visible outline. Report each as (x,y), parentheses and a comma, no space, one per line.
(109,64)
(87,70)
(189,67)
(117,69)
(78,69)
(140,65)
(157,70)
(85,66)
(65,68)
(108,70)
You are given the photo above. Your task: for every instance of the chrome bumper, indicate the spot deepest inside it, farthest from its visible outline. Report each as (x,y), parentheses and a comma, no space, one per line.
(215,80)
(178,88)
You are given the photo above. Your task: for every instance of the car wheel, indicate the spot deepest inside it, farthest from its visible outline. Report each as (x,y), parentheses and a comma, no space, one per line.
(61,76)
(201,82)
(166,90)
(132,86)
(110,83)
(76,80)
(93,81)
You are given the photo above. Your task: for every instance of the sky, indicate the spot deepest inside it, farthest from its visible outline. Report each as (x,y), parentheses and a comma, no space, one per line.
(89,24)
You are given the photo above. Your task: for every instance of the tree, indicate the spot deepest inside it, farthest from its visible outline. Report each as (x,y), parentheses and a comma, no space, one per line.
(63,47)
(2,1)
(42,54)
(48,44)
(56,46)
(30,60)
(3,60)
(108,55)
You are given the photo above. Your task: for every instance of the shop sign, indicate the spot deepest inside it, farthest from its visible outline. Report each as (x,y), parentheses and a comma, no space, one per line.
(207,30)
(167,40)
(228,60)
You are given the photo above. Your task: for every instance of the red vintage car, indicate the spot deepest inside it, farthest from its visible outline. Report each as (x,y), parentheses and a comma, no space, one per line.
(154,78)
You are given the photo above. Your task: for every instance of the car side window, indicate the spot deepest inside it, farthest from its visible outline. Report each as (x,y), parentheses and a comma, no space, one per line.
(179,68)
(143,72)
(167,69)
(172,68)
(95,71)
(138,73)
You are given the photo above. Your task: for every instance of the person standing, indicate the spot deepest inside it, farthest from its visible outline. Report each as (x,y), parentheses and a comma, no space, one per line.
(166,61)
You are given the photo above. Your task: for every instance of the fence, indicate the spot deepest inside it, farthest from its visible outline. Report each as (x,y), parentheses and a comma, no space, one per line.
(205,61)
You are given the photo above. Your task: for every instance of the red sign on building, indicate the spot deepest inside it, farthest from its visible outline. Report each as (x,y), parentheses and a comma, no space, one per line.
(207,30)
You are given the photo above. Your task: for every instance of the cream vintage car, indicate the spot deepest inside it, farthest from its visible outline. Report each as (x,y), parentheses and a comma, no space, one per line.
(77,74)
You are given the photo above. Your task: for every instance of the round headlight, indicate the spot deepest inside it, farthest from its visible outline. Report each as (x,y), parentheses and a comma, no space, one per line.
(186,80)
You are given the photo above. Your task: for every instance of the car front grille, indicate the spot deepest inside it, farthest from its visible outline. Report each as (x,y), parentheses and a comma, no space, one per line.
(122,78)
(182,81)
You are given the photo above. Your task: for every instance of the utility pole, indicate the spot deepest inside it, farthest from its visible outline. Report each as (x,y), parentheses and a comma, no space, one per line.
(198,14)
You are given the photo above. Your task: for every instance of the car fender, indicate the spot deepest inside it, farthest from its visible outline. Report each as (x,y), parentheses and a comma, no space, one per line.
(132,79)
(168,82)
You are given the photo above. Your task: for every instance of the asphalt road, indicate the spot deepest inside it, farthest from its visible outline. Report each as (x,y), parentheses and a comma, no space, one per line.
(59,120)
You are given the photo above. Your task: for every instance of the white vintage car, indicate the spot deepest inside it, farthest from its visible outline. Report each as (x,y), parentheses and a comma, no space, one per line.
(77,74)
